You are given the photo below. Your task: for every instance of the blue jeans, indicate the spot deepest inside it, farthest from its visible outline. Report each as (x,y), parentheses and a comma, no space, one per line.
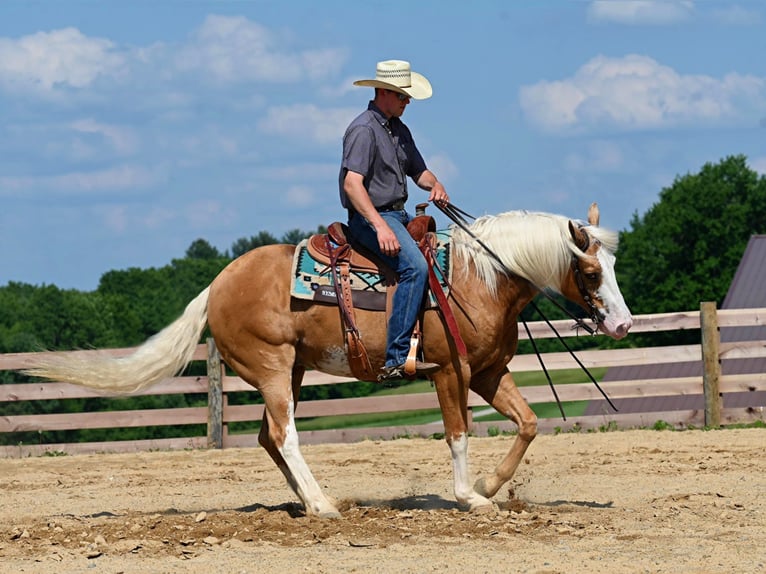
(413,278)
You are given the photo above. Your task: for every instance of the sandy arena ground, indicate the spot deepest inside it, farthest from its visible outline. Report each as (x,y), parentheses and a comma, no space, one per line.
(635,501)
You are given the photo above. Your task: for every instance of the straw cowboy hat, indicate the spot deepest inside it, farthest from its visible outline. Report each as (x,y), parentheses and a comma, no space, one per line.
(396,75)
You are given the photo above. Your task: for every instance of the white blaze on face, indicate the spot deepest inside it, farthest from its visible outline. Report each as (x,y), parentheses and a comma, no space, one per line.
(618,319)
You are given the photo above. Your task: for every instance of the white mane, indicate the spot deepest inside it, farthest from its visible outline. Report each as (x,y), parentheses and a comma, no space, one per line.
(536,246)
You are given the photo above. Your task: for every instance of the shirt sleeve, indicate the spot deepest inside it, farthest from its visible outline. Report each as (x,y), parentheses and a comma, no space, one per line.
(416,165)
(359,150)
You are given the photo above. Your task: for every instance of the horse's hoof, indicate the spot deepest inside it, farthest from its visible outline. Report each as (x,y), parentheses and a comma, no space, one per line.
(325,510)
(483,509)
(480,487)
(476,503)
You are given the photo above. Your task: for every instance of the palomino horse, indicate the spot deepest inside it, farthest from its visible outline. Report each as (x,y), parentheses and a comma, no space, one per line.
(270,338)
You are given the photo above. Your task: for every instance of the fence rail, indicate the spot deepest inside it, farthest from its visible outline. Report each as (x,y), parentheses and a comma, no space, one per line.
(218,413)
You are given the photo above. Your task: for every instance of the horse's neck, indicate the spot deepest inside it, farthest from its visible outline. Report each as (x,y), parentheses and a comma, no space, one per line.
(513,294)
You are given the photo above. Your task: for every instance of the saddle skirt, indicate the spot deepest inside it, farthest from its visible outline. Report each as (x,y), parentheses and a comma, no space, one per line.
(370,278)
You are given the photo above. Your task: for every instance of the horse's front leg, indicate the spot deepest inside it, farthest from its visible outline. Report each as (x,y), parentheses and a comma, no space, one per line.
(507,400)
(453,400)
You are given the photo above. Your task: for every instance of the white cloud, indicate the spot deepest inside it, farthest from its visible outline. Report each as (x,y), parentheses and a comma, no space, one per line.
(444,169)
(596,157)
(158,217)
(123,140)
(116,178)
(61,58)
(299,196)
(301,171)
(204,142)
(236,50)
(636,92)
(206,213)
(223,50)
(307,121)
(651,12)
(200,214)
(737,15)
(342,87)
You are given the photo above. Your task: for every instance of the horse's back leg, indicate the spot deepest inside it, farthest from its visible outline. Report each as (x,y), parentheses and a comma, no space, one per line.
(507,400)
(266,438)
(279,436)
(453,401)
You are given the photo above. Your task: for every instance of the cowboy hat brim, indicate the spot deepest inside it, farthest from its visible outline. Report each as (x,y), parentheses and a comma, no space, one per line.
(419,88)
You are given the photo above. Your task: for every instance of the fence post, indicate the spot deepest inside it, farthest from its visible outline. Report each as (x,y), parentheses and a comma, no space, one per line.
(711,363)
(214,396)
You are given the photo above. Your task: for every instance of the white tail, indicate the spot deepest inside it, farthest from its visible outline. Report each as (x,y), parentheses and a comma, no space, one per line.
(162,356)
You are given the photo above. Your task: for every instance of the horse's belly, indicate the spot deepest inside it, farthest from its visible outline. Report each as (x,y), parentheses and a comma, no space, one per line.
(331,360)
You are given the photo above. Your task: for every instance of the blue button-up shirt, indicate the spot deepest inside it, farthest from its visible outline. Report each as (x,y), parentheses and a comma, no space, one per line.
(382,151)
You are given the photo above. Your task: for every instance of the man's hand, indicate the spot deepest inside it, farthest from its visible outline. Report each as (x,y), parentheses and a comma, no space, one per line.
(387,241)
(439,194)
(353,185)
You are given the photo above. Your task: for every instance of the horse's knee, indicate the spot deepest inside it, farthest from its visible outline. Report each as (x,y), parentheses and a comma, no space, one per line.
(528,426)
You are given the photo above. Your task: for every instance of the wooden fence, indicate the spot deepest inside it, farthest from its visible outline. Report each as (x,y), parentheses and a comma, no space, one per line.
(218,413)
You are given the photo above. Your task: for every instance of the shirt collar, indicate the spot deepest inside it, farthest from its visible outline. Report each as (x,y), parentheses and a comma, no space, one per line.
(380,116)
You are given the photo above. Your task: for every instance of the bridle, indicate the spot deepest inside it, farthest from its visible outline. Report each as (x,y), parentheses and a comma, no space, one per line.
(593,311)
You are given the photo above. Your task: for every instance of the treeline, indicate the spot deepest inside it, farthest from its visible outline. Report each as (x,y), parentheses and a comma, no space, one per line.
(127,307)
(683,250)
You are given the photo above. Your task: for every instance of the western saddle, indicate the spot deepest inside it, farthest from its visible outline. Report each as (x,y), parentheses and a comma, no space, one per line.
(336,251)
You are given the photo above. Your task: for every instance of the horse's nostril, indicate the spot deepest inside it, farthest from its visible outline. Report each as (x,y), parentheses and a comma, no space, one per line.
(623,328)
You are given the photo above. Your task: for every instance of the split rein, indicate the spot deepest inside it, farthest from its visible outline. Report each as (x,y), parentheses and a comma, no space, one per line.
(458,217)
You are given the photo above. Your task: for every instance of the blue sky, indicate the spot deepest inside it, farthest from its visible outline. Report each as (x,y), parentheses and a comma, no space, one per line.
(130,129)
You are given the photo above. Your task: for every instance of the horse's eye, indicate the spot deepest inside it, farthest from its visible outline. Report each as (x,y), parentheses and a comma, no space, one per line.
(592,276)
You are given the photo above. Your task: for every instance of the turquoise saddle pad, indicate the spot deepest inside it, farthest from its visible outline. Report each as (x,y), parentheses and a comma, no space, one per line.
(313,280)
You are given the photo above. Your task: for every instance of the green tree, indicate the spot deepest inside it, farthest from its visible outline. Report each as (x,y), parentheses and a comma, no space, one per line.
(687,247)
(46,317)
(201,249)
(294,236)
(142,299)
(245,244)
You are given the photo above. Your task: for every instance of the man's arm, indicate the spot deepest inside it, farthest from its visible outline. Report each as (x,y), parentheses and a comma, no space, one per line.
(428,181)
(353,185)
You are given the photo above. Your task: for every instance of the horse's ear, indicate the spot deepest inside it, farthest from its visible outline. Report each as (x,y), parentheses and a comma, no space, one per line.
(593,214)
(579,237)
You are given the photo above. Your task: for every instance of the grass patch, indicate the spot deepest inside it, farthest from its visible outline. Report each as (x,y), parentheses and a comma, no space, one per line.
(406,418)
(542,410)
(419,417)
(563,377)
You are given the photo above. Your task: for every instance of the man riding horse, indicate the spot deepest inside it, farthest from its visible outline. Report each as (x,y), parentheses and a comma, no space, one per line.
(378,155)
